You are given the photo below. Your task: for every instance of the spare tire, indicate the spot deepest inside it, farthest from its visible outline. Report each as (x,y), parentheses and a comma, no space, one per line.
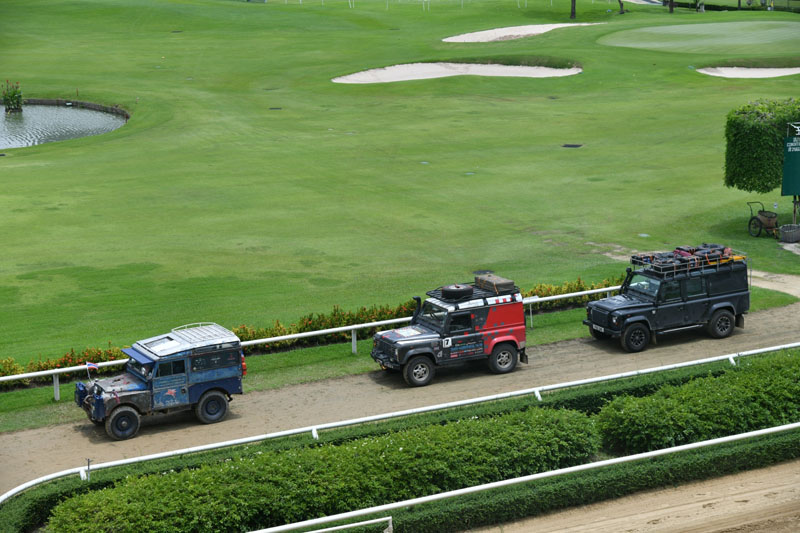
(457,291)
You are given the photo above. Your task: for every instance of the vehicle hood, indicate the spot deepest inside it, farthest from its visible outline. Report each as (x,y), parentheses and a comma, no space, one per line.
(620,301)
(414,333)
(126,382)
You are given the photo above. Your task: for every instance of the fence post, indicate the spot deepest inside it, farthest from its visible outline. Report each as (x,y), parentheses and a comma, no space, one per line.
(530,314)
(56,389)
(354,347)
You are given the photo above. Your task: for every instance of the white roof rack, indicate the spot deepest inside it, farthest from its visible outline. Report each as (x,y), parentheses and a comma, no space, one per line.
(187,337)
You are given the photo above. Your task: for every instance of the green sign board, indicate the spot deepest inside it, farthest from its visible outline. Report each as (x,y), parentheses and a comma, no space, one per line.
(791,167)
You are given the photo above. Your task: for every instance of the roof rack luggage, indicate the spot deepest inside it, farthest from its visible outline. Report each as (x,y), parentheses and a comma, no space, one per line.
(687,258)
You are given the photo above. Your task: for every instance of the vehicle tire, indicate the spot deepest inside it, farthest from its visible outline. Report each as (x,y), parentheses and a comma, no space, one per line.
(122,423)
(418,371)
(599,335)
(503,359)
(212,407)
(457,291)
(635,338)
(721,324)
(95,422)
(754,227)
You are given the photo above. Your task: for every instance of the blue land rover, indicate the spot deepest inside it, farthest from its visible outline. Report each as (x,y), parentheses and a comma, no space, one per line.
(197,366)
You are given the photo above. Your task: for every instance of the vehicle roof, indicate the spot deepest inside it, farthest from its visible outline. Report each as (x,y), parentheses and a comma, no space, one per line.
(185,338)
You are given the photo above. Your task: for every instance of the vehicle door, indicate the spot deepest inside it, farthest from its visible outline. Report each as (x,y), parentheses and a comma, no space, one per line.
(169,384)
(461,341)
(669,306)
(696,309)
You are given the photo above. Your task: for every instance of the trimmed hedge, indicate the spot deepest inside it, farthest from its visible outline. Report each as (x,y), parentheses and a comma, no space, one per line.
(754,136)
(583,488)
(760,393)
(275,488)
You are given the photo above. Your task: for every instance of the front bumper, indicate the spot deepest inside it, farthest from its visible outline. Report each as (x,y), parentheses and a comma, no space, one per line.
(89,402)
(614,333)
(385,360)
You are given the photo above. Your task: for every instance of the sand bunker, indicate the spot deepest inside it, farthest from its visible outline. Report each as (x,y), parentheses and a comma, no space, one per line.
(511,32)
(424,71)
(742,72)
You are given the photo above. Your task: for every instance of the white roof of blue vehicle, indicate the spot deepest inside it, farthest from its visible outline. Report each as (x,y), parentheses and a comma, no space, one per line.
(185,338)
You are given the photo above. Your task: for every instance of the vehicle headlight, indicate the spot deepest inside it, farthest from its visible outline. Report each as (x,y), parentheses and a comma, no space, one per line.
(615,320)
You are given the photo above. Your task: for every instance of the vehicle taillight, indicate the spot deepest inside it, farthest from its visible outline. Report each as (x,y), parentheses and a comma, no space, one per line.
(244,367)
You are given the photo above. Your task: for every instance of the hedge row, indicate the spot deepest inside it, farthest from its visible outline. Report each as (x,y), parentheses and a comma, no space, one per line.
(761,393)
(312,322)
(275,488)
(754,136)
(9,366)
(583,488)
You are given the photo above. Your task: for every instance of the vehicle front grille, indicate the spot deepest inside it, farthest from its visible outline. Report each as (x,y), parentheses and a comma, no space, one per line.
(600,318)
(385,347)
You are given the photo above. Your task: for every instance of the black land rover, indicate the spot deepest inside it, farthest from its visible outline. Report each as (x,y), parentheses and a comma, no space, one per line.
(669,291)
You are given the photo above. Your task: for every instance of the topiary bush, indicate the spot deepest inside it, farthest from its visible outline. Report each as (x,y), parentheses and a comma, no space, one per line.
(761,393)
(754,136)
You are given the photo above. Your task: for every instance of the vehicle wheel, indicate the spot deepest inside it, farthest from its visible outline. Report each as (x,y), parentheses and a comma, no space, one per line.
(721,324)
(419,371)
(599,335)
(95,422)
(503,359)
(212,407)
(123,423)
(754,227)
(635,338)
(454,292)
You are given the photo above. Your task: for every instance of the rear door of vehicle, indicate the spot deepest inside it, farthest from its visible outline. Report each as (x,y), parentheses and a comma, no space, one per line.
(696,300)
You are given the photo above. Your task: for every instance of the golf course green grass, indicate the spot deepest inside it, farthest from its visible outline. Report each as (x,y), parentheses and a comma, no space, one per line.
(248,187)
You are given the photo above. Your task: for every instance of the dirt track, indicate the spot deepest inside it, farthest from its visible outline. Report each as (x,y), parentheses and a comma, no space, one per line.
(28,454)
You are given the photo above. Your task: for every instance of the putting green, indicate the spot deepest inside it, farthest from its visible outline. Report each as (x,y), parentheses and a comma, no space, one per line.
(751,38)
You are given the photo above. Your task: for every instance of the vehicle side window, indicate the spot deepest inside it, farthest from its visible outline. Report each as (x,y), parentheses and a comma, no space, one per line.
(461,322)
(670,291)
(215,360)
(695,287)
(171,368)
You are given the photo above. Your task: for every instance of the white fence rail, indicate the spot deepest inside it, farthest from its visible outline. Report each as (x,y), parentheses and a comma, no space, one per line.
(353,329)
(84,471)
(524,479)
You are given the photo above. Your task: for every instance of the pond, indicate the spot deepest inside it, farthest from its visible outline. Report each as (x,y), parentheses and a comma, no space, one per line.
(38,124)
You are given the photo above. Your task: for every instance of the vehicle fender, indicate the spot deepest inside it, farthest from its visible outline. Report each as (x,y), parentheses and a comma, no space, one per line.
(507,339)
(422,350)
(721,305)
(226,386)
(139,400)
(636,318)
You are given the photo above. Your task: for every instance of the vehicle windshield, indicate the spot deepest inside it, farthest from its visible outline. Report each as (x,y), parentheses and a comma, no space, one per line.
(433,315)
(644,285)
(134,366)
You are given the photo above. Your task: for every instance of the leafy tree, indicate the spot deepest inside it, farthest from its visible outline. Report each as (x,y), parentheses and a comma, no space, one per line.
(754,136)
